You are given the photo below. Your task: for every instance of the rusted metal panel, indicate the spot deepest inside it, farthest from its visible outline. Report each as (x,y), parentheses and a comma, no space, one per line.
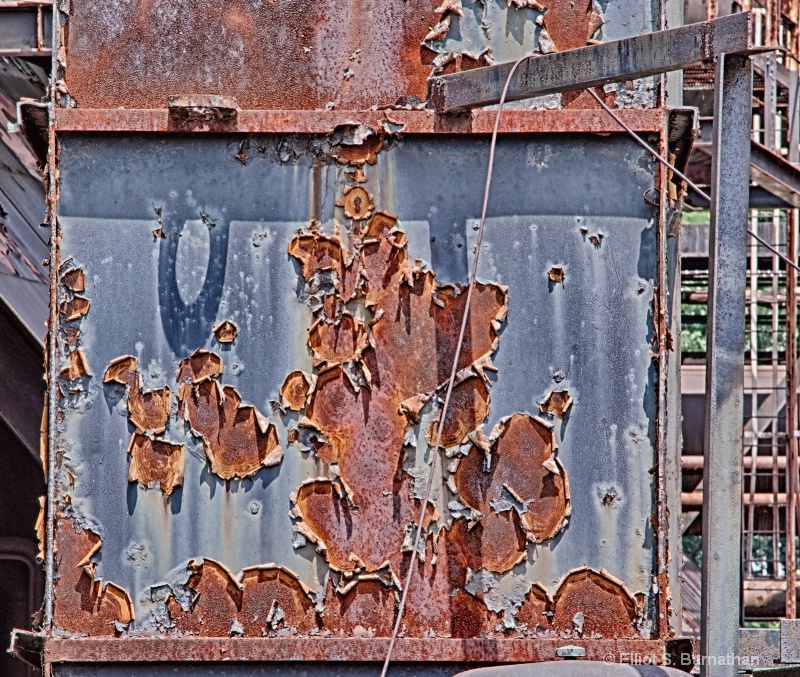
(263,482)
(254,327)
(344,54)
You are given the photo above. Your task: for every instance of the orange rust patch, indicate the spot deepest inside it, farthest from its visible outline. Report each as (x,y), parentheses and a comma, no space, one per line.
(147,411)
(71,336)
(294,390)
(78,366)
(437,602)
(74,279)
(487,309)
(237,440)
(365,429)
(568,24)
(557,274)
(225,331)
(75,308)
(366,608)
(274,598)
(522,465)
(318,252)
(216,603)
(357,203)
(122,370)
(202,366)
(533,611)
(366,152)
(83,604)
(380,225)
(336,342)
(150,410)
(469,406)
(556,403)
(156,462)
(357,175)
(609,610)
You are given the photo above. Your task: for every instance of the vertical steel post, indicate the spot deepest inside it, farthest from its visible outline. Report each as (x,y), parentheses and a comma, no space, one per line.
(791,414)
(722,470)
(793,134)
(770,100)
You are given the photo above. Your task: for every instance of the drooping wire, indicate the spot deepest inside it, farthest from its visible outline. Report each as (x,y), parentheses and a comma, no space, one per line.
(453,372)
(680,174)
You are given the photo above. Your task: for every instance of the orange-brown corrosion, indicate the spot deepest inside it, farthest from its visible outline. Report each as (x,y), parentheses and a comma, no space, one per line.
(225,331)
(608,609)
(535,612)
(469,406)
(74,279)
(273,598)
(237,439)
(147,411)
(294,390)
(366,608)
(524,473)
(156,462)
(361,519)
(217,600)
(85,604)
(557,403)
(359,154)
(437,602)
(75,308)
(318,252)
(336,342)
(557,274)
(78,366)
(414,327)
(357,203)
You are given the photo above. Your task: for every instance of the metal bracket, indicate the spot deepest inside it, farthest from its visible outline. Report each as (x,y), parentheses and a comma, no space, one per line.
(203,108)
(571,652)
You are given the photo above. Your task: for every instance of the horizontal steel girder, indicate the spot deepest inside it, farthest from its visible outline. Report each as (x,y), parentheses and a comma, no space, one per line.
(594,65)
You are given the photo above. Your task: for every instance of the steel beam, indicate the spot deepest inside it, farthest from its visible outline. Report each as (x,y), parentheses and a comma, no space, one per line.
(596,65)
(722,471)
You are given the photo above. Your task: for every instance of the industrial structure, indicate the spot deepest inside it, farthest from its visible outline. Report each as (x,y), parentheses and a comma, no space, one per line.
(771,420)
(255,293)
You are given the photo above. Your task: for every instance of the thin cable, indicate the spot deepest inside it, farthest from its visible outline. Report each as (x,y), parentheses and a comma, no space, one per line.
(683,176)
(453,372)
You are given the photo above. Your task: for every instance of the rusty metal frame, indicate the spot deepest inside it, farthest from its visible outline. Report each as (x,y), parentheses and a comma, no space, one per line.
(324,122)
(59,650)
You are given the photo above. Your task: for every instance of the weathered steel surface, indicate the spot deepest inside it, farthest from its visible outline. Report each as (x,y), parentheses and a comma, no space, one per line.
(344,54)
(722,471)
(251,382)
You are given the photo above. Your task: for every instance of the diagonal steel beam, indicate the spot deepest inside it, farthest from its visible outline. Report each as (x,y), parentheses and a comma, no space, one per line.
(595,65)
